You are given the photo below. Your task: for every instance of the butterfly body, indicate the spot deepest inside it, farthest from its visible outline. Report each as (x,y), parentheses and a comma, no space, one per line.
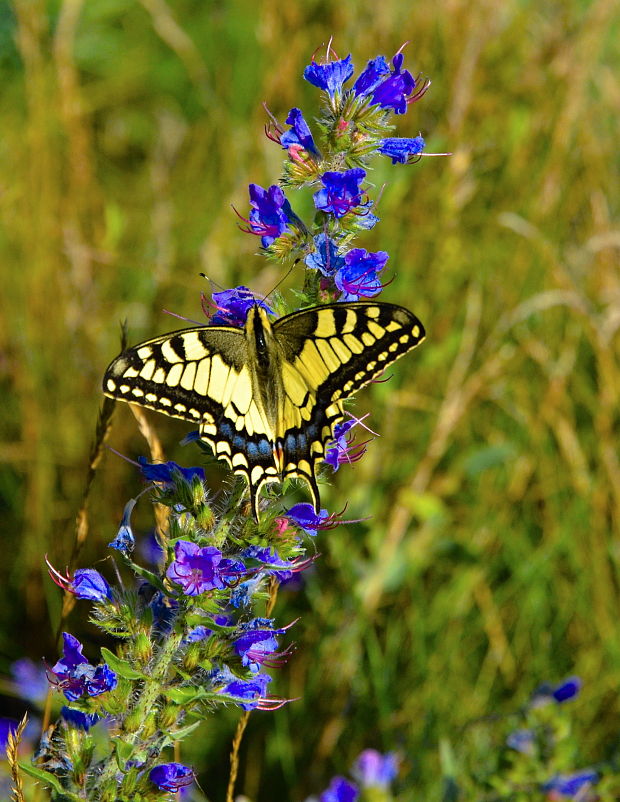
(267,397)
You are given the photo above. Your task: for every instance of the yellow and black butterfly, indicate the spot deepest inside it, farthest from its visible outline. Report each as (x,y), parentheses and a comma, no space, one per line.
(267,397)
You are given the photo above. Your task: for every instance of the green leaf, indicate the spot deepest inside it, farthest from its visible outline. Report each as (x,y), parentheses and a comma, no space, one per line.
(121,666)
(184,696)
(178,735)
(123,751)
(47,779)
(147,575)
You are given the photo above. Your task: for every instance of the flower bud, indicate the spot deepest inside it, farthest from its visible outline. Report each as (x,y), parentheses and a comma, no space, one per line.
(144,648)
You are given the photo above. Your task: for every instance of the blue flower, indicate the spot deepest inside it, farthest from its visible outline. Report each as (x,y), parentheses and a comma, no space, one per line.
(243,594)
(164,471)
(7,726)
(306,518)
(255,644)
(341,191)
(358,278)
(198,570)
(281,569)
(325,258)
(233,307)
(78,719)
(248,692)
(340,790)
(299,134)
(124,540)
(330,76)
(394,91)
(30,679)
(76,677)
(401,149)
(374,770)
(375,72)
(86,583)
(164,610)
(523,741)
(270,214)
(342,448)
(90,584)
(365,219)
(572,786)
(562,692)
(150,549)
(171,776)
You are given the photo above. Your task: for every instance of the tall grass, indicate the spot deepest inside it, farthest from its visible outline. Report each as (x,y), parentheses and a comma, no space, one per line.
(491,560)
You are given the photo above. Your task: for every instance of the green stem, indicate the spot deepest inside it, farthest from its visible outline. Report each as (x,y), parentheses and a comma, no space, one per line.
(145,702)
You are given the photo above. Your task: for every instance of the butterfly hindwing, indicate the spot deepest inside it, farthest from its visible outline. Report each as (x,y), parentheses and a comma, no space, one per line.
(268,397)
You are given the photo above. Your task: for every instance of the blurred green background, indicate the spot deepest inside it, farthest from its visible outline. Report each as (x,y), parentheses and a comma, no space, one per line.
(491,562)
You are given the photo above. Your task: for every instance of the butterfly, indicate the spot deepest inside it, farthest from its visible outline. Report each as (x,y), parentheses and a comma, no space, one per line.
(267,397)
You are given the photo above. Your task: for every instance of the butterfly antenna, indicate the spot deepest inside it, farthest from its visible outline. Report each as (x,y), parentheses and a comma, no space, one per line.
(213,284)
(283,279)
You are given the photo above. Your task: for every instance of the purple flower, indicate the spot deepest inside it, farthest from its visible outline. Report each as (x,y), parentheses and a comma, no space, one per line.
(374,770)
(306,518)
(394,91)
(571,786)
(198,570)
(375,72)
(255,644)
(340,790)
(325,258)
(523,741)
(270,214)
(164,471)
(401,149)
(341,191)
(233,307)
(30,679)
(171,776)
(78,719)
(249,692)
(76,677)
(330,76)
(342,449)
(358,278)
(562,692)
(299,134)
(124,540)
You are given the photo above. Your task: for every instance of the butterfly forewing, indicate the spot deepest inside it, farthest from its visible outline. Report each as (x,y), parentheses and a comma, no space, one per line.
(346,346)
(202,375)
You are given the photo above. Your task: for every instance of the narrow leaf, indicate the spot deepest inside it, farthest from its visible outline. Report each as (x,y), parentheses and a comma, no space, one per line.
(121,666)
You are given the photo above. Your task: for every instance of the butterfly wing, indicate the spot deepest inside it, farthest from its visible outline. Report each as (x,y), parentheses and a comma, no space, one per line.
(203,375)
(329,353)
(320,357)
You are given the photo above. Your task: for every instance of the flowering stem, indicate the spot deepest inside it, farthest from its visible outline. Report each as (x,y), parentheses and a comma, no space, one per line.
(152,689)
(243,721)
